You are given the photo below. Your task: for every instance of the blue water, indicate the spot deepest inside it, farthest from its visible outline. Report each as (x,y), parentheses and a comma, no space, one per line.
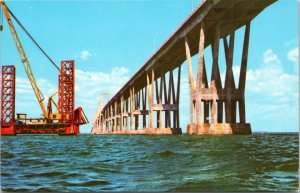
(259,162)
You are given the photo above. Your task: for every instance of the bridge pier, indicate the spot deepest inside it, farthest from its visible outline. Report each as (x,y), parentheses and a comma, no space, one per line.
(214,96)
(119,115)
(149,102)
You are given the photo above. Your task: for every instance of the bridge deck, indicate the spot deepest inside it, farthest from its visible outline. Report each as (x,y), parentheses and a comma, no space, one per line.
(228,14)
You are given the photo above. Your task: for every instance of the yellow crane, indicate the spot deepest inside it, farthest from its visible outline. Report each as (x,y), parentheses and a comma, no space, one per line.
(47,113)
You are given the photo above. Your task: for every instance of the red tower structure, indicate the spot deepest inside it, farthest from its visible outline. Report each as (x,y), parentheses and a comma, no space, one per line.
(66,97)
(8,100)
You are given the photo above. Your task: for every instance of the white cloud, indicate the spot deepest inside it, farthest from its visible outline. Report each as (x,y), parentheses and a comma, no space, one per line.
(85,54)
(89,86)
(270,81)
(271,59)
(24,89)
(293,56)
(271,93)
(270,78)
(26,101)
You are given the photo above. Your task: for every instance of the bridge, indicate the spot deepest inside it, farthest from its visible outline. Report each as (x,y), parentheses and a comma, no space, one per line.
(149,102)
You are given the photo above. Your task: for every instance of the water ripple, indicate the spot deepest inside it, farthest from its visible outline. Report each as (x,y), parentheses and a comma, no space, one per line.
(42,163)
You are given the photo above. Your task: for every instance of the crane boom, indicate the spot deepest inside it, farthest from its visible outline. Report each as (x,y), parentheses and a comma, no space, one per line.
(24,60)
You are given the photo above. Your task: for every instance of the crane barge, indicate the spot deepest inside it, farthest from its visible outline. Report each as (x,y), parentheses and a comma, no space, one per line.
(58,117)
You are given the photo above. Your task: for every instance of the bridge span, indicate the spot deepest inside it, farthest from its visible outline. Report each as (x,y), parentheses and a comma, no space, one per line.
(149,102)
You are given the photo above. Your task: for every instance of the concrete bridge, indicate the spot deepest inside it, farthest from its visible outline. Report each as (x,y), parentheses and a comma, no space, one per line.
(149,102)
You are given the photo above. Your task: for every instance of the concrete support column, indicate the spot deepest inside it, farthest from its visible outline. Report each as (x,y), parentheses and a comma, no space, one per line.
(115,116)
(164,86)
(144,104)
(216,79)
(200,76)
(159,101)
(170,96)
(109,118)
(206,102)
(131,108)
(176,115)
(214,119)
(233,111)
(126,111)
(242,111)
(121,113)
(229,79)
(243,72)
(162,90)
(150,86)
(137,107)
(103,122)
(191,80)
(105,119)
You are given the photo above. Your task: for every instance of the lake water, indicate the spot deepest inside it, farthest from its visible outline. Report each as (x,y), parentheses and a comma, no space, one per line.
(258,162)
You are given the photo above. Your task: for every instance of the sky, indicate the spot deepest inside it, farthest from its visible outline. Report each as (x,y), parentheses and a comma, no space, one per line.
(111,40)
